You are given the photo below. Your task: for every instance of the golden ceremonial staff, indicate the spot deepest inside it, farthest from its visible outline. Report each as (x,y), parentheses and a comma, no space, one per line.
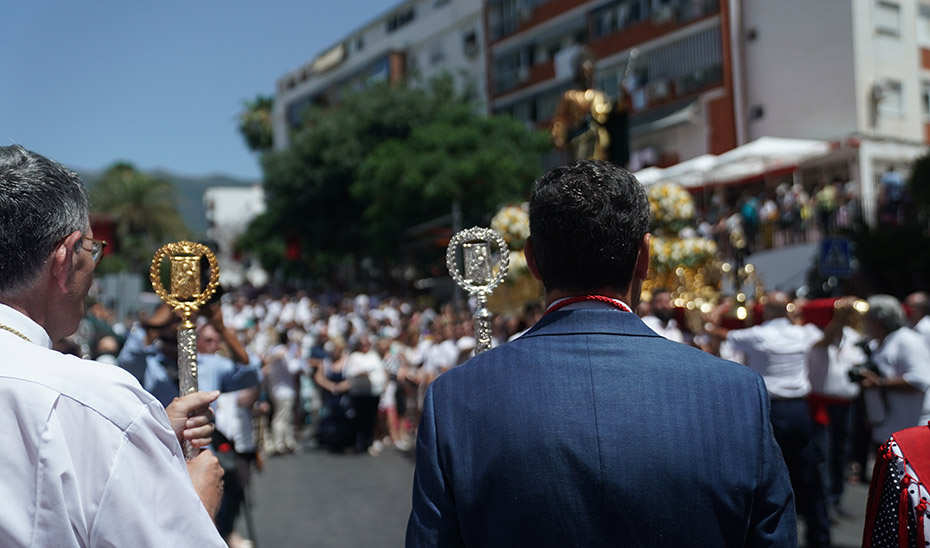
(186,297)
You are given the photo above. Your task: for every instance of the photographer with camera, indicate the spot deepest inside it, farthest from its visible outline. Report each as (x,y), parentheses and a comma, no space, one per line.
(903,362)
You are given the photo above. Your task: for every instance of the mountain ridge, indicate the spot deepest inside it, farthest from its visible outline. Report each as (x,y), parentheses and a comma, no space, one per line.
(189,193)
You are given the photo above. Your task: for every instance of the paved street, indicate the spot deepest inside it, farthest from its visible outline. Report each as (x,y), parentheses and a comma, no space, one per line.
(321,500)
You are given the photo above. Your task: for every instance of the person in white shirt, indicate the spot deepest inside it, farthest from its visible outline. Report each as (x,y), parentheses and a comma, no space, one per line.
(96,459)
(282,365)
(918,314)
(367,378)
(903,359)
(832,394)
(777,349)
(661,319)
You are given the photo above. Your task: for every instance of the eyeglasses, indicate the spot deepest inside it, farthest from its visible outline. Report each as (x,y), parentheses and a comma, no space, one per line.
(96,249)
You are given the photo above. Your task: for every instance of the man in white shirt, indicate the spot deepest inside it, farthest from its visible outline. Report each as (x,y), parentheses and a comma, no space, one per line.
(918,314)
(777,349)
(365,372)
(96,459)
(903,359)
(282,365)
(661,319)
(832,396)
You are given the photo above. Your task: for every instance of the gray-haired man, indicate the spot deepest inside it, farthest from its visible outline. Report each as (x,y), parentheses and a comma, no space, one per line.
(903,359)
(91,459)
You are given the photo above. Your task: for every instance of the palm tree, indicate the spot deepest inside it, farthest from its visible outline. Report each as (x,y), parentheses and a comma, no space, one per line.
(255,123)
(144,209)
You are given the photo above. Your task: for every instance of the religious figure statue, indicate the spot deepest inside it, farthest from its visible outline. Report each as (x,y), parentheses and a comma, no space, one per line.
(587,124)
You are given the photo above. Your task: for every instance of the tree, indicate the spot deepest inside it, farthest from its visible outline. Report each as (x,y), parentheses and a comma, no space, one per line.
(919,186)
(421,148)
(477,161)
(145,211)
(255,123)
(894,259)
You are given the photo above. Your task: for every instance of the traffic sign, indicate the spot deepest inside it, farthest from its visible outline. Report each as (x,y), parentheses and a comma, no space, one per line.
(835,257)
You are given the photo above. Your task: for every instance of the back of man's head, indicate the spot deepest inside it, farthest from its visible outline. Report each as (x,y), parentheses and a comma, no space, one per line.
(587,221)
(41,202)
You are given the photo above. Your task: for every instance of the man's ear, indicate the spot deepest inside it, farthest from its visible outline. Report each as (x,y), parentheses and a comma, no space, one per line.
(62,260)
(642,258)
(529,253)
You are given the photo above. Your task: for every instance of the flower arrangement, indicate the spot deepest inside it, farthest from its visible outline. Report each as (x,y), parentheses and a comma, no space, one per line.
(513,223)
(671,206)
(670,253)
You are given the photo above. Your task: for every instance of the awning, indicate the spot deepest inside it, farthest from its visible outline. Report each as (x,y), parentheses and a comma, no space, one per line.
(648,175)
(663,117)
(764,155)
(690,172)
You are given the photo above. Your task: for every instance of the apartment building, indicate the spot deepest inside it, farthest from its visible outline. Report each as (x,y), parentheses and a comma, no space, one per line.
(412,41)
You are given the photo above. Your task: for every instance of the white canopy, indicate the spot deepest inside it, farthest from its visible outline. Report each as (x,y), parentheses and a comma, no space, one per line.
(690,172)
(762,155)
(648,175)
(752,159)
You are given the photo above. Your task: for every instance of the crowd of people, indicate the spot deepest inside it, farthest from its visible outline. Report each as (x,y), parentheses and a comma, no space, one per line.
(837,393)
(790,214)
(348,373)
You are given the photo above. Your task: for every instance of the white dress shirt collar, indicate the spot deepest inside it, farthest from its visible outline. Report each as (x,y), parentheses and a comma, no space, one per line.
(15,319)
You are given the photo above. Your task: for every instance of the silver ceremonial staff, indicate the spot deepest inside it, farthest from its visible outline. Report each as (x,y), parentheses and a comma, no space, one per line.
(185,297)
(478,277)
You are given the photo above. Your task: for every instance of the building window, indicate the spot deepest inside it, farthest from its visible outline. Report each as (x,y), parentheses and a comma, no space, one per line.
(923,24)
(470,43)
(888,18)
(437,54)
(441,3)
(506,16)
(891,103)
(400,19)
(925,100)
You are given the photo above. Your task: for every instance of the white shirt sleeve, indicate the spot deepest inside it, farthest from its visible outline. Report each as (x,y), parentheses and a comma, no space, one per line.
(914,360)
(149,499)
(743,340)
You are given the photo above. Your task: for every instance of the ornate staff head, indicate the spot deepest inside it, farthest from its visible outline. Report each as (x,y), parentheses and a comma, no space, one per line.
(478,277)
(186,295)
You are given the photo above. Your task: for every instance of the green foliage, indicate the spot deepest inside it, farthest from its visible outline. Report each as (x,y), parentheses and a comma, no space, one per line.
(893,260)
(255,123)
(479,161)
(919,184)
(357,175)
(145,211)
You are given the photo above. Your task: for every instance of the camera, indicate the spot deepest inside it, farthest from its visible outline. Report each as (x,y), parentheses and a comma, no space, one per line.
(855,373)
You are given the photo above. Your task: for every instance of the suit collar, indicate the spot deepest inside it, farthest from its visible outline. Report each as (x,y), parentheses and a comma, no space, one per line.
(608,322)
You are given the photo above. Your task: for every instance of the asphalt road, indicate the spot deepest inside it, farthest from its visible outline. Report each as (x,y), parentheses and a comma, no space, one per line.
(317,499)
(321,500)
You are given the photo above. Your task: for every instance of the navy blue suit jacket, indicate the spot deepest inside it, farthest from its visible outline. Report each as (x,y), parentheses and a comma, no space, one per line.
(591,430)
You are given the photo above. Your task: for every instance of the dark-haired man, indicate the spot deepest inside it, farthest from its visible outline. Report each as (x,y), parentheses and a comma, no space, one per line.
(91,459)
(590,429)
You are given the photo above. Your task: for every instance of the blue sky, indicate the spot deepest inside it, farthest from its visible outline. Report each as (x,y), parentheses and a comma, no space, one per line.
(157,84)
